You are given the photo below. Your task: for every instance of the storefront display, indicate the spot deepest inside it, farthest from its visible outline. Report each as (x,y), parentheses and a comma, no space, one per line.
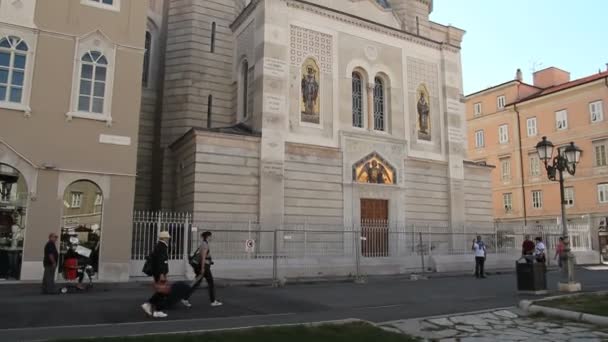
(13,203)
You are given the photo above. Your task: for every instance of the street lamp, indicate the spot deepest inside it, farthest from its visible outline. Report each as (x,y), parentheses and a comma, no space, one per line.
(565,160)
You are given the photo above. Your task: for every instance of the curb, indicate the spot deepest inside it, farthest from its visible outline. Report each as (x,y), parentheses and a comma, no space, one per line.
(530,306)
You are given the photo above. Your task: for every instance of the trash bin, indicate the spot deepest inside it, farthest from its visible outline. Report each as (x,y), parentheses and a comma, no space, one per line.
(531,277)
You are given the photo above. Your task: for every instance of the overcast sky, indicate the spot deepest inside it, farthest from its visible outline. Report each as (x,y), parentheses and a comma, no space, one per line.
(528,34)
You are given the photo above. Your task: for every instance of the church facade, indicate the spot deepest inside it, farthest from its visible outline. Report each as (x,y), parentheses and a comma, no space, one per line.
(324,112)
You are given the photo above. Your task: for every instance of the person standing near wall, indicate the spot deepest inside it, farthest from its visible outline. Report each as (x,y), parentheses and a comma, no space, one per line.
(559,250)
(480,256)
(539,250)
(527,249)
(206,262)
(160,268)
(51,256)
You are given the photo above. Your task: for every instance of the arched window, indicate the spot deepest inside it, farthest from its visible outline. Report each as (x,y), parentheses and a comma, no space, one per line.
(93,69)
(379,105)
(13,55)
(146,70)
(245,88)
(357,96)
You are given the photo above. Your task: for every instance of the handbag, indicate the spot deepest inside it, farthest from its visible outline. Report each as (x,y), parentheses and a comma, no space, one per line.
(195,260)
(148,268)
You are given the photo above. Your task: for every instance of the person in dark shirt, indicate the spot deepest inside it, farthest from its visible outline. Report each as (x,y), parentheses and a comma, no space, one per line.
(160,269)
(527,249)
(51,256)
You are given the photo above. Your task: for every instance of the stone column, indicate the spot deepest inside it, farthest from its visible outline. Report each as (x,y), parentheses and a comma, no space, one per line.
(272,31)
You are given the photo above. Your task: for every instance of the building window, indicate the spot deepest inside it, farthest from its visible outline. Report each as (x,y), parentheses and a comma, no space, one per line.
(600,153)
(501,101)
(93,70)
(479,139)
(596,110)
(477,108)
(602,193)
(146,70)
(357,97)
(379,104)
(569,197)
(13,56)
(531,124)
(507,200)
(503,134)
(505,168)
(105,4)
(76,199)
(537,199)
(561,119)
(98,199)
(212,43)
(534,165)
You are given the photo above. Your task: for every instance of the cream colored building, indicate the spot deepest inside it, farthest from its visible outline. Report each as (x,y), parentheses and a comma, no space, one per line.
(70,89)
(324,112)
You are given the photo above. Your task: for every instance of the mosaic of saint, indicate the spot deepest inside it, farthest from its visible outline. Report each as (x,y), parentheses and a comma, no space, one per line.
(374,169)
(310,104)
(424,115)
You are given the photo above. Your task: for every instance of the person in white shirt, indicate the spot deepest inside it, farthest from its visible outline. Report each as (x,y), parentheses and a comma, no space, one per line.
(539,250)
(480,256)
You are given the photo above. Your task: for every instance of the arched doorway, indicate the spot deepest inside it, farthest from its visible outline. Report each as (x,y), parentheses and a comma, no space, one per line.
(81,224)
(13,208)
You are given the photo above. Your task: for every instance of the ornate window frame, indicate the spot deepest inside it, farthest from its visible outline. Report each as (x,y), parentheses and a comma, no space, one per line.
(95,41)
(30,38)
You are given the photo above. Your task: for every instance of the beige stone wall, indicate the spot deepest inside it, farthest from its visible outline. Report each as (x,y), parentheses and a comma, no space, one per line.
(313,185)
(426,193)
(477,198)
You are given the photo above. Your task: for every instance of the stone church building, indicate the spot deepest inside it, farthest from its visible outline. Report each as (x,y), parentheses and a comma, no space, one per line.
(325,112)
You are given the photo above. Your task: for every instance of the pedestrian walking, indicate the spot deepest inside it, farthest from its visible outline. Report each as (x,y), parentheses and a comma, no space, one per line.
(159,260)
(559,250)
(527,249)
(539,250)
(51,256)
(480,256)
(206,262)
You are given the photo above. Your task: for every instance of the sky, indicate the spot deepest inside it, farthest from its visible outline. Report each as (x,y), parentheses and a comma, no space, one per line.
(502,36)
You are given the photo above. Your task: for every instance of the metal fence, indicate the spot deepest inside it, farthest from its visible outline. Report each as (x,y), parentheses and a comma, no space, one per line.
(250,251)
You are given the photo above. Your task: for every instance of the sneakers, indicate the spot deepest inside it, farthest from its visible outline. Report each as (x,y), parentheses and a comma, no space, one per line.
(147,307)
(186,303)
(159,314)
(216,303)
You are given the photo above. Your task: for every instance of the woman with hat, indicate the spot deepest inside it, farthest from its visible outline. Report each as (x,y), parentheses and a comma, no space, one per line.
(160,266)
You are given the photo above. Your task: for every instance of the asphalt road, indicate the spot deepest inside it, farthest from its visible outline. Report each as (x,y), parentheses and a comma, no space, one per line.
(114,310)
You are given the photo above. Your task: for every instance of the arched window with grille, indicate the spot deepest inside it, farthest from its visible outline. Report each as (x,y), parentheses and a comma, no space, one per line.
(93,70)
(13,57)
(357,98)
(379,104)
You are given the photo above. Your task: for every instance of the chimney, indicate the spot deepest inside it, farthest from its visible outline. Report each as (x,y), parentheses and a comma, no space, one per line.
(550,77)
(519,76)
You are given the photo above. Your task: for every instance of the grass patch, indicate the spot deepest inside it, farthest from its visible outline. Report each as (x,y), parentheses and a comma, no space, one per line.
(352,332)
(591,304)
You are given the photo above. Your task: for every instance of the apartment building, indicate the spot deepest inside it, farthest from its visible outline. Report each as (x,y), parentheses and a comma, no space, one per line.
(70,93)
(505,122)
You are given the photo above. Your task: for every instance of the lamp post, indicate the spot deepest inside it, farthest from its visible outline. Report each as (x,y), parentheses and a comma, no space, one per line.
(565,160)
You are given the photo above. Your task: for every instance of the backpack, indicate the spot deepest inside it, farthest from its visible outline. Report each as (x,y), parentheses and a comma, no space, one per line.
(195,261)
(148,268)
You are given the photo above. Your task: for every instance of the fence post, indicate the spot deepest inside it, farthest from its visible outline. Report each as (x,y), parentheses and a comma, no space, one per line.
(160,222)
(357,241)
(275,276)
(428,228)
(495,239)
(421,252)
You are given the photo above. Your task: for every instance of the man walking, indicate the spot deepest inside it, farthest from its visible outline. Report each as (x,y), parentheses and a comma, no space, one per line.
(51,257)
(206,263)
(480,256)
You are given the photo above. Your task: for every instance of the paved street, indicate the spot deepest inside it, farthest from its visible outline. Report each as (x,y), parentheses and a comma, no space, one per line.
(115,309)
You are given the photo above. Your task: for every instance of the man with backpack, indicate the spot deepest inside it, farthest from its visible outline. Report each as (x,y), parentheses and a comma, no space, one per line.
(202,260)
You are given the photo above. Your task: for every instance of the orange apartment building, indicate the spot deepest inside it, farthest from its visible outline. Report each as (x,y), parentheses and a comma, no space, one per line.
(505,122)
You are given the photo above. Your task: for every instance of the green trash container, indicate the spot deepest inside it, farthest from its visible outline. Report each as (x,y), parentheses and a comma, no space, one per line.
(531,277)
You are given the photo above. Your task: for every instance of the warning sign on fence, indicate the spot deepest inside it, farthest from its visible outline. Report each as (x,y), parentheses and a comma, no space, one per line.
(249,246)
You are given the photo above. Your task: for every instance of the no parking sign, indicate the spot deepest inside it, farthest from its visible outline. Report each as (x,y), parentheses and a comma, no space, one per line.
(249,245)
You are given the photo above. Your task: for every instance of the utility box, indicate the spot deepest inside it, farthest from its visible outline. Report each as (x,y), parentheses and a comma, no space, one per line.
(531,277)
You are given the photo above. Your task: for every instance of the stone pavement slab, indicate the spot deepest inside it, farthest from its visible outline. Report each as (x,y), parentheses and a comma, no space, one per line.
(499,325)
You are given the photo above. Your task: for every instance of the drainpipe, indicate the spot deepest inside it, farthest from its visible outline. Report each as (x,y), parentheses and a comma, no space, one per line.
(521,164)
